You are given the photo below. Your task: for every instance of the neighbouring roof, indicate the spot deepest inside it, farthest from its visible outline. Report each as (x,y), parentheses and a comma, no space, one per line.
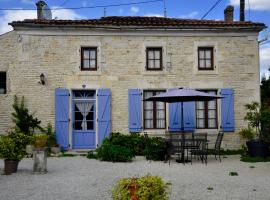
(118,22)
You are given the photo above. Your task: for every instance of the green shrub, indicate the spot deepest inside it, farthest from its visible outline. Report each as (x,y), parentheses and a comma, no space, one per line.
(24,121)
(92,155)
(114,153)
(254,159)
(13,145)
(247,133)
(40,136)
(149,188)
(134,142)
(51,136)
(156,148)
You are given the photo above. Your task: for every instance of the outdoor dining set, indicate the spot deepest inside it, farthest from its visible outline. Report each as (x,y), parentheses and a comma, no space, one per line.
(188,145)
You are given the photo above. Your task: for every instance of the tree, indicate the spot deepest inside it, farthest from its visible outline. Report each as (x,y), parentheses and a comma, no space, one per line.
(265,90)
(24,121)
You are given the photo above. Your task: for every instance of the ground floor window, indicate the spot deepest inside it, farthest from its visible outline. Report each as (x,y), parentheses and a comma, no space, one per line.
(3,82)
(154,113)
(206,113)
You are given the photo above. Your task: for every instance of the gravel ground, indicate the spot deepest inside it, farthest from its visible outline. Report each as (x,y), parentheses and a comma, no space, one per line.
(78,178)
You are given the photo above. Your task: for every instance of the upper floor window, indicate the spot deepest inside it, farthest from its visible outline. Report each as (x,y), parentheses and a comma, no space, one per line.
(154,58)
(206,58)
(206,113)
(3,82)
(154,113)
(89,58)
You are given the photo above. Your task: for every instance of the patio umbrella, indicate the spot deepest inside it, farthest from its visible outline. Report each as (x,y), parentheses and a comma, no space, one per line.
(183,95)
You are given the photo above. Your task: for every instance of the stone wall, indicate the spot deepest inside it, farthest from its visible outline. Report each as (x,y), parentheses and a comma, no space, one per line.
(121,65)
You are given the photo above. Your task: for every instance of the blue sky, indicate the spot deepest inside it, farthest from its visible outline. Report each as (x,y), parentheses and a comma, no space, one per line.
(259,12)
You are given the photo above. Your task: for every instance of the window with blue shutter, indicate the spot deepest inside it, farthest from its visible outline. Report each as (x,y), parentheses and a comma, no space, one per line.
(135,110)
(189,116)
(227,110)
(62,117)
(104,114)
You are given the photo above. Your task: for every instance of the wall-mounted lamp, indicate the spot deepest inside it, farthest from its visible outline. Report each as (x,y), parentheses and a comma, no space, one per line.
(42,79)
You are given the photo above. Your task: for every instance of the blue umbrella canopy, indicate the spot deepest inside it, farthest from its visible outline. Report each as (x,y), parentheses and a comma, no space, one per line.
(183,95)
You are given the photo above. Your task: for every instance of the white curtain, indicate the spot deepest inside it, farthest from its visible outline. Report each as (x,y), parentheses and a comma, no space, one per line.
(84,108)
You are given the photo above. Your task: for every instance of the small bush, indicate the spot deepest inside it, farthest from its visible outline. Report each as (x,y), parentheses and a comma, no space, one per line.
(247,133)
(149,188)
(254,159)
(233,174)
(92,155)
(114,153)
(134,142)
(156,148)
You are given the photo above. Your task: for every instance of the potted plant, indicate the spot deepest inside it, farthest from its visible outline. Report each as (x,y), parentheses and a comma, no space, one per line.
(40,140)
(51,140)
(258,140)
(13,150)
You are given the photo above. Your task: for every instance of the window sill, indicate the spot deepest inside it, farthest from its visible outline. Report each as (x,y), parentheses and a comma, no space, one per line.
(206,72)
(88,73)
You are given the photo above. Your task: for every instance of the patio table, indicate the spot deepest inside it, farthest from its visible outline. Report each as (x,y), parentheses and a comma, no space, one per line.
(184,144)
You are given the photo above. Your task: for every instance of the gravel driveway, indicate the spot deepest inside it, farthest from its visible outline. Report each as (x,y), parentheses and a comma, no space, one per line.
(78,178)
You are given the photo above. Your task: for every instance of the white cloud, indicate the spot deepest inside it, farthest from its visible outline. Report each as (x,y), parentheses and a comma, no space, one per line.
(254,4)
(18,15)
(134,9)
(27,1)
(153,15)
(190,15)
(265,59)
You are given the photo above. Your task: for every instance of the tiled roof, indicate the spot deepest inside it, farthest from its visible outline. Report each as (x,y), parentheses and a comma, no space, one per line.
(142,22)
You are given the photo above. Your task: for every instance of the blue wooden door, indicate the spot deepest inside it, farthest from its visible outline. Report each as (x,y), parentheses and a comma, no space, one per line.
(84,119)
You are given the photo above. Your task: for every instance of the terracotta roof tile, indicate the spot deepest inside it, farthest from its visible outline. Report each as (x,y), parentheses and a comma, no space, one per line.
(149,22)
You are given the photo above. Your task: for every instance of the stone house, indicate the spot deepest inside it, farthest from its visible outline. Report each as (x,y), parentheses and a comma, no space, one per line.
(88,77)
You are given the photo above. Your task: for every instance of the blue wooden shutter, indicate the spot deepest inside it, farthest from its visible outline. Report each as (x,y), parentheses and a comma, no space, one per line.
(104,114)
(135,110)
(174,116)
(227,110)
(62,117)
(189,116)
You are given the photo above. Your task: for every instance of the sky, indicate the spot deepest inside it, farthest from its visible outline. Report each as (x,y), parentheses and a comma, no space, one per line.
(256,11)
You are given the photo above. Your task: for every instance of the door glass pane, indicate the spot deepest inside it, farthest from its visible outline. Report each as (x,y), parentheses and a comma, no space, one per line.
(90,125)
(160,114)
(78,125)
(78,115)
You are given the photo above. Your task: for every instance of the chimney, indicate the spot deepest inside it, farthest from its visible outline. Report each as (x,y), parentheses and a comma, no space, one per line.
(242,10)
(43,11)
(228,14)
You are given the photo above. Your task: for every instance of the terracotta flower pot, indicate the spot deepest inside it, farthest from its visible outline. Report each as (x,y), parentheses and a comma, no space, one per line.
(11,166)
(133,188)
